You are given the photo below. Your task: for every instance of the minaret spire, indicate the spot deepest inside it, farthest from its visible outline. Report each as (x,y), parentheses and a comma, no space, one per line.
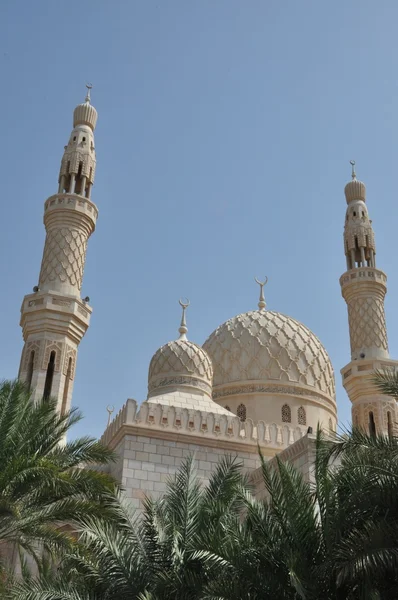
(55,318)
(89,87)
(363,287)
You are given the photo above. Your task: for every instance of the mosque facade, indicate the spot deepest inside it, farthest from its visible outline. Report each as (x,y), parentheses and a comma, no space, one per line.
(261,379)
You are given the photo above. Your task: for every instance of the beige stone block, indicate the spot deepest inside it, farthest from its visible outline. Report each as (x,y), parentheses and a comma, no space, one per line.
(176,452)
(138,474)
(154,476)
(168,460)
(205,465)
(155,458)
(136,445)
(142,456)
(149,447)
(134,464)
(164,450)
(147,466)
(159,486)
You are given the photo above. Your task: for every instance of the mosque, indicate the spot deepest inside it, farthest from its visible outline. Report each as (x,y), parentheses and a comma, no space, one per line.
(260,379)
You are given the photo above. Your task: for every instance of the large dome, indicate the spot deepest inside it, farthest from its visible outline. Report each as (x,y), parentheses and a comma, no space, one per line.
(263,346)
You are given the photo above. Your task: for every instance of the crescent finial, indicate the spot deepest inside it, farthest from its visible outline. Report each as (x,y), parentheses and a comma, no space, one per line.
(261,303)
(183,329)
(110,408)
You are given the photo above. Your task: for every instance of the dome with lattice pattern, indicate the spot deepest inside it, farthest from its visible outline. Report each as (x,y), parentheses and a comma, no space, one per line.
(180,363)
(266,346)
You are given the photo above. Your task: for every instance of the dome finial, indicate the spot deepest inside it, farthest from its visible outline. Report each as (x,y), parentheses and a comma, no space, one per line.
(353,174)
(261,304)
(89,87)
(183,325)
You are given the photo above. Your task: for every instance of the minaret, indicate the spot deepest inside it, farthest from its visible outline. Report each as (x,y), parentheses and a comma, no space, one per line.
(55,318)
(363,287)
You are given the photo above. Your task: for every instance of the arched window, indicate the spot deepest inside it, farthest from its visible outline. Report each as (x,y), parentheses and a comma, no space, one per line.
(389,426)
(286,414)
(301,416)
(30,369)
(331,426)
(49,376)
(66,387)
(372,424)
(227,407)
(241,412)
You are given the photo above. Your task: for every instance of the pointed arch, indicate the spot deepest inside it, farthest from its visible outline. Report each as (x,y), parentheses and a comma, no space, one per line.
(49,376)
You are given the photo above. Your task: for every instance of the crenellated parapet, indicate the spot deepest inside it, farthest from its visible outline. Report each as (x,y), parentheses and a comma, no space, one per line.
(201,427)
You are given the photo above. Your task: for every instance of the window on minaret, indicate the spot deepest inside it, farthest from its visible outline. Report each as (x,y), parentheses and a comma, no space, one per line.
(49,376)
(241,412)
(330,425)
(301,416)
(286,414)
(389,426)
(372,424)
(30,369)
(227,407)
(66,387)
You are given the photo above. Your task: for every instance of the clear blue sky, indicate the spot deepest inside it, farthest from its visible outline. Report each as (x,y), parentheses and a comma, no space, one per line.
(223,144)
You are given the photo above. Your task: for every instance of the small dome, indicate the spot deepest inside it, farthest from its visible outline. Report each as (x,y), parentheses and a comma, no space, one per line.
(355,190)
(264,346)
(85,114)
(180,363)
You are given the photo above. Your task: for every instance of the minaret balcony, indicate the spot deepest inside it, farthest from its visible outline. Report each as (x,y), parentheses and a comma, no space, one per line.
(72,202)
(363,274)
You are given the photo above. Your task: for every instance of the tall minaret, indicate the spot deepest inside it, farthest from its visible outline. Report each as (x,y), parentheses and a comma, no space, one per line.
(363,288)
(55,318)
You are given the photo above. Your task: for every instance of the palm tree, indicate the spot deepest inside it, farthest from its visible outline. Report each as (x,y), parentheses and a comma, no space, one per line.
(43,488)
(386,380)
(167,553)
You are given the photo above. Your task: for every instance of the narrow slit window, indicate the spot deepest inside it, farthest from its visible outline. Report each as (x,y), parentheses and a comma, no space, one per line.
(241,412)
(389,426)
(49,376)
(66,387)
(301,416)
(286,414)
(30,369)
(372,424)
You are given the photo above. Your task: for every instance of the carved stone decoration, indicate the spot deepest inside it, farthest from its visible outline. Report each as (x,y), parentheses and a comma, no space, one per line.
(64,256)
(33,346)
(49,347)
(264,345)
(180,362)
(260,388)
(70,353)
(367,323)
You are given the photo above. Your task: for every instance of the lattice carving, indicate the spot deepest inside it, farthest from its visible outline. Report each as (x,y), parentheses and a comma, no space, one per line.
(301,416)
(49,347)
(33,346)
(180,358)
(241,412)
(286,414)
(70,353)
(64,256)
(266,345)
(367,323)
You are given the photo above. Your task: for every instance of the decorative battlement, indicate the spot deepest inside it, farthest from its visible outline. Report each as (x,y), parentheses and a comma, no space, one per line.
(170,421)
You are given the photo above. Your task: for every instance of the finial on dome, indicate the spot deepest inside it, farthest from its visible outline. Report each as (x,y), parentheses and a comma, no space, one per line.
(183,325)
(353,174)
(89,87)
(261,304)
